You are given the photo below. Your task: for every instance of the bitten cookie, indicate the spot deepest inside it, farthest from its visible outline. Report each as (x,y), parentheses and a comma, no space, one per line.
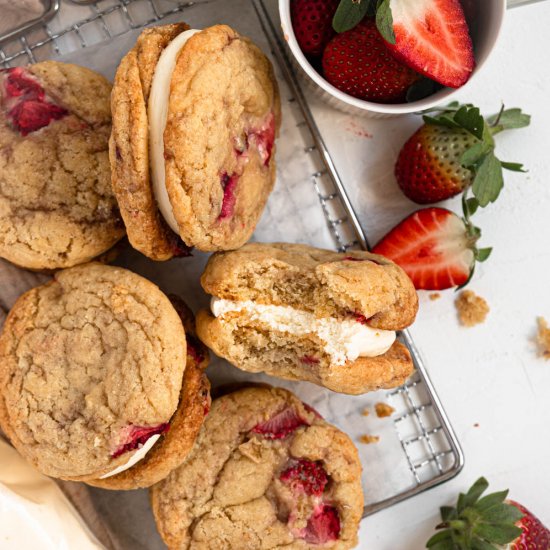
(302,313)
(266,472)
(97,383)
(57,208)
(195,115)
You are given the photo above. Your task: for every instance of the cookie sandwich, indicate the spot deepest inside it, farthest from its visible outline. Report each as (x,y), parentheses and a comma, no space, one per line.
(266,472)
(101,378)
(195,116)
(57,208)
(302,313)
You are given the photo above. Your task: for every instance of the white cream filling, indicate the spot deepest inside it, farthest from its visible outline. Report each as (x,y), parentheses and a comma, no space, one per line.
(344,340)
(157,113)
(135,458)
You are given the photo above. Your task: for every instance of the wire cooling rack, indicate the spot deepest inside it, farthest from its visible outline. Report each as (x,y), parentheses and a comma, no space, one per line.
(430,446)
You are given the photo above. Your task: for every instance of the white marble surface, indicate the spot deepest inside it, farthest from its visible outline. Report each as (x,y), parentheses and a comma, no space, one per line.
(487,375)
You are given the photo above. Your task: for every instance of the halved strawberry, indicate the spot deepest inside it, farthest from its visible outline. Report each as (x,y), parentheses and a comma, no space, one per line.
(312,23)
(435,247)
(432,37)
(358,63)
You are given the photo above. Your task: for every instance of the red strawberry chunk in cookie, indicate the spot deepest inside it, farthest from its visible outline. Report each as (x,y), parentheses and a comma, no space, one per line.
(264,138)
(305,476)
(309,360)
(323,525)
(229,184)
(26,104)
(281,425)
(133,437)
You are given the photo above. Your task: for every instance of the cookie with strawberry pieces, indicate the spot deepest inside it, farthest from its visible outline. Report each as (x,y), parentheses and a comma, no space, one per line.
(266,472)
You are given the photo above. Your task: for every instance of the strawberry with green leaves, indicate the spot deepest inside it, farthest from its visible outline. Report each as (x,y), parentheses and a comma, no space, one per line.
(436,248)
(455,150)
(488,522)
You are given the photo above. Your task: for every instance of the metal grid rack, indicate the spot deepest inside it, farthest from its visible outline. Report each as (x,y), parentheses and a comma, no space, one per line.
(432,451)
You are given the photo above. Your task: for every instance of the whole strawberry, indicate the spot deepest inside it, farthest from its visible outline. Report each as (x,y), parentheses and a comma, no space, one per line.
(488,523)
(358,63)
(436,248)
(453,151)
(312,24)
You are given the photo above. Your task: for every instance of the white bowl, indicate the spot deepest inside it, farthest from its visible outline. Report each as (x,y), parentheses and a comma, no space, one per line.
(488,24)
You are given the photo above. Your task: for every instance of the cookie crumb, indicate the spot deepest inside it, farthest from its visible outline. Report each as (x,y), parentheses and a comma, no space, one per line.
(383,410)
(476,425)
(368,439)
(472,309)
(543,338)
(365,412)
(435,296)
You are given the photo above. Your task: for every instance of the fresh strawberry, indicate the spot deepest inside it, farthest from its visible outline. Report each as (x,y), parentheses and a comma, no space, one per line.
(281,425)
(432,37)
(312,23)
(533,533)
(488,523)
(323,526)
(435,247)
(305,476)
(453,151)
(358,63)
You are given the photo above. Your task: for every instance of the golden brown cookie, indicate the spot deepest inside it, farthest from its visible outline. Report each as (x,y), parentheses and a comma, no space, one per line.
(266,472)
(303,313)
(97,383)
(57,208)
(217,146)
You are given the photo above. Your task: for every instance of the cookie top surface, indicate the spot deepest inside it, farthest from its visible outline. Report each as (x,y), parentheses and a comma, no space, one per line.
(223,115)
(266,472)
(323,282)
(57,208)
(90,364)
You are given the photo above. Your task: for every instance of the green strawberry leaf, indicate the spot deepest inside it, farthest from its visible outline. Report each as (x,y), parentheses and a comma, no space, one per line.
(350,12)
(447,513)
(491,499)
(442,120)
(473,494)
(508,119)
(513,166)
(470,207)
(501,513)
(421,88)
(483,254)
(498,533)
(480,544)
(441,541)
(488,180)
(384,21)
(470,119)
(475,153)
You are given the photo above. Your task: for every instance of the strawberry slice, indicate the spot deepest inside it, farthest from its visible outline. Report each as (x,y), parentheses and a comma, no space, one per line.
(435,247)
(432,37)
(281,425)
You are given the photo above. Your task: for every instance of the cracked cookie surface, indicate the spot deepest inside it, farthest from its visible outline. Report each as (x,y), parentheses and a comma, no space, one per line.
(267,472)
(57,208)
(223,116)
(91,364)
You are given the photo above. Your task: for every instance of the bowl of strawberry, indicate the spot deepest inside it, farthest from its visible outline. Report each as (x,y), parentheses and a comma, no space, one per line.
(390,57)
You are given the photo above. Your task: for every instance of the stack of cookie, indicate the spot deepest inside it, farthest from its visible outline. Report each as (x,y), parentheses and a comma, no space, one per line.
(102,376)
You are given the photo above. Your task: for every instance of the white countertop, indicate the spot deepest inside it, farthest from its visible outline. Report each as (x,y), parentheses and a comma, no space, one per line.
(490,374)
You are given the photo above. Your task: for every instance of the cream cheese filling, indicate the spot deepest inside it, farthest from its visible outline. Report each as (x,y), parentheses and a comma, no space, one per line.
(135,458)
(344,340)
(157,114)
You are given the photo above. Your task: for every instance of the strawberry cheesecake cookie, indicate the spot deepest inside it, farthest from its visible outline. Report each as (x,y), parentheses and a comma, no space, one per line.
(302,313)
(266,472)
(97,382)
(195,115)
(57,208)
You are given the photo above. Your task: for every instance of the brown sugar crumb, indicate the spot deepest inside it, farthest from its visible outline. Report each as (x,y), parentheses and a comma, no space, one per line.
(365,412)
(435,296)
(472,309)
(543,338)
(383,410)
(368,439)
